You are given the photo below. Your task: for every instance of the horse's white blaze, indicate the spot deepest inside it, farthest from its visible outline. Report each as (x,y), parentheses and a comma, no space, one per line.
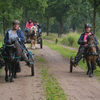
(33,28)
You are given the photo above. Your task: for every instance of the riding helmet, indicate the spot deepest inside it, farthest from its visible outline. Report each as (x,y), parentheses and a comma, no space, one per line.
(87,25)
(16,22)
(36,21)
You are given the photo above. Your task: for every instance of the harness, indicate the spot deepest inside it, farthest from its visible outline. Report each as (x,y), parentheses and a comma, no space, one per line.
(12,45)
(92,53)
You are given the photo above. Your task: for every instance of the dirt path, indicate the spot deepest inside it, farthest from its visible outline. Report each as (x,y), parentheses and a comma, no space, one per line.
(77,85)
(25,87)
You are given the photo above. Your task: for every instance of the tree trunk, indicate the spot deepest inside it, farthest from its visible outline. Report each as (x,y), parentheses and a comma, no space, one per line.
(47,26)
(94,22)
(60,31)
(3,26)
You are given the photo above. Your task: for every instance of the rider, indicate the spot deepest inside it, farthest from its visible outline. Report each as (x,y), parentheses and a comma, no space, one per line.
(82,42)
(29,24)
(14,34)
(38,26)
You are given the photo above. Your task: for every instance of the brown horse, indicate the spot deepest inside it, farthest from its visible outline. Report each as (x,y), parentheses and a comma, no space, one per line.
(91,55)
(33,36)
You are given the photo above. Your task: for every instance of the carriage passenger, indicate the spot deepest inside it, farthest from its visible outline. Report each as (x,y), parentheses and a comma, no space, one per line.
(29,24)
(83,42)
(38,25)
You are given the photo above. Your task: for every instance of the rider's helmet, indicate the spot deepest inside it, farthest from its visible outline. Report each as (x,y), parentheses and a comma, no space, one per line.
(36,21)
(87,25)
(16,22)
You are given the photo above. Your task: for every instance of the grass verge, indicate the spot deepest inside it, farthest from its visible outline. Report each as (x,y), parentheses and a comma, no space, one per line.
(50,84)
(70,39)
(68,53)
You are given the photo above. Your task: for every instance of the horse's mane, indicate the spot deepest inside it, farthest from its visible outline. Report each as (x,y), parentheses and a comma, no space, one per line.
(33,28)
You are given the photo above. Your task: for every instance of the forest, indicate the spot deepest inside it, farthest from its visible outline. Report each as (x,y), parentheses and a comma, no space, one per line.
(55,16)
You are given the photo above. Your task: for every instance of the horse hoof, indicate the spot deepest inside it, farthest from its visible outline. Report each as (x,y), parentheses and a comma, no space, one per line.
(6,79)
(87,73)
(12,80)
(91,75)
(33,47)
(15,76)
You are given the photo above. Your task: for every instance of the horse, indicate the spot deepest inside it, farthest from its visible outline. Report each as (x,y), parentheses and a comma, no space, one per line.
(91,55)
(33,36)
(12,54)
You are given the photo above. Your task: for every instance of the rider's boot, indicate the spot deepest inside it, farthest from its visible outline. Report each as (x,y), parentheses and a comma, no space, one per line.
(98,61)
(74,63)
(30,63)
(2,63)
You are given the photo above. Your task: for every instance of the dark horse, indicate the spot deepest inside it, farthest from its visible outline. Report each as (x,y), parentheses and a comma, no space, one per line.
(91,55)
(12,54)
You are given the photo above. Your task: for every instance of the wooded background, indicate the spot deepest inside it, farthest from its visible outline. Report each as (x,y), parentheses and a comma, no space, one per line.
(55,16)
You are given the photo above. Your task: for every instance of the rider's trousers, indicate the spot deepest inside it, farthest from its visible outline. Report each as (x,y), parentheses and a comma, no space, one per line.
(78,57)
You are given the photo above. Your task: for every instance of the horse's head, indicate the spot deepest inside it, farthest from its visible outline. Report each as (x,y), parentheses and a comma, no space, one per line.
(90,40)
(33,31)
(10,49)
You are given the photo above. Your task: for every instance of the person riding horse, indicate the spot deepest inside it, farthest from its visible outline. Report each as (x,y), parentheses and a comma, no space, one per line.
(83,42)
(14,34)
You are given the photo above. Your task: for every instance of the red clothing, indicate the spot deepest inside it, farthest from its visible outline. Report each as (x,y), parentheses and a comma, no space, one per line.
(29,25)
(85,37)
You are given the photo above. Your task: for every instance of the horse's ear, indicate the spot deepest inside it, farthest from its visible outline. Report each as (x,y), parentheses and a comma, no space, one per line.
(93,35)
(6,42)
(12,41)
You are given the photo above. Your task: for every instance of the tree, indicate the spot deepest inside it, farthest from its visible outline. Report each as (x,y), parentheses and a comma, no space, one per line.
(96,4)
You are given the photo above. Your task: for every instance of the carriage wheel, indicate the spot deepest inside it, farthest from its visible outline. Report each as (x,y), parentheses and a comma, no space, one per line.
(32,70)
(71,66)
(41,43)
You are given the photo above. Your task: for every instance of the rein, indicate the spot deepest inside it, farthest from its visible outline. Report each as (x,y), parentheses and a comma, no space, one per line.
(91,53)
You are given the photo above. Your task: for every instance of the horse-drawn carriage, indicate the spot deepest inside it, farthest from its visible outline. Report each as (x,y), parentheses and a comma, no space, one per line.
(38,37)
(90,54)
(11,53)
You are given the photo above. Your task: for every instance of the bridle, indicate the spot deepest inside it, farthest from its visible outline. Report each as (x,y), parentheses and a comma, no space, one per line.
(11,45)
(91,45)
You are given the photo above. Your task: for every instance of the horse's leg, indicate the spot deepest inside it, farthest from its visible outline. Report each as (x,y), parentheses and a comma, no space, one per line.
(93,66)
(90,74)
(12,71)
(31,43)
(6,76)
(9,71)
(17,69)
(88,69)
(34,43)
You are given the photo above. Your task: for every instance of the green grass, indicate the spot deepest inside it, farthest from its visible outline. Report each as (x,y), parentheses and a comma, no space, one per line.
(50,84)
(70,39)
(1,41)
(68,53)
